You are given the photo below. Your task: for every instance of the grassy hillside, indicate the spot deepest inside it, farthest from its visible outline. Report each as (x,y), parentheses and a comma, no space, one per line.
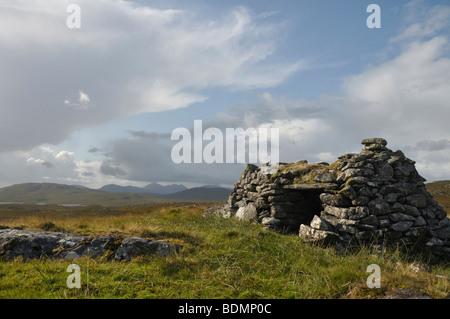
(49,193)
(441,193)
(221,258)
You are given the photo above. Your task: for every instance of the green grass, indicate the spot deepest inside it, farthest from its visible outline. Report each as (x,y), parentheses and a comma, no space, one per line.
(441,193)
(221,258)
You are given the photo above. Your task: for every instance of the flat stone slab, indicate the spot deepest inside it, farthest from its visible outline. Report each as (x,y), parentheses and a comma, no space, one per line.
(132,247)
(374,140)
(31,244)
(34,244)
(407,294)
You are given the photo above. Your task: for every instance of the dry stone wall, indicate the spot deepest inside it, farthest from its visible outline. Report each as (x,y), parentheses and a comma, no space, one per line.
(376,196)
(274,200)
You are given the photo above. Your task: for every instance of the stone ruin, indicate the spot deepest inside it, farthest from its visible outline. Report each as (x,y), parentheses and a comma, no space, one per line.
(374,197)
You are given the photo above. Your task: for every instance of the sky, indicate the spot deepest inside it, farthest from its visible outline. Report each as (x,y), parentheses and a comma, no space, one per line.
(97,103)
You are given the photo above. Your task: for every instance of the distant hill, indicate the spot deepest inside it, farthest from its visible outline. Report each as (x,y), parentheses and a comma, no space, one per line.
(111,195)
(113,188)
(441,193)
(80,186)
(153,188)
(213,194)
(50,193)
(212,186)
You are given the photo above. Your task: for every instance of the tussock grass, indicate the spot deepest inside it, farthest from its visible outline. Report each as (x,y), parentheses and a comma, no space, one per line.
(302,171)
(441,193)
(221,258)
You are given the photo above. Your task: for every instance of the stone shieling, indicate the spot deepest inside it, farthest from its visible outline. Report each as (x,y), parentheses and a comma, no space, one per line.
(376,196)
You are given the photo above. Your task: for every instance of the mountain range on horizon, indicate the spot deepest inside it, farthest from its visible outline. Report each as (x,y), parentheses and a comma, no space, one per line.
(152,188)
(52,193)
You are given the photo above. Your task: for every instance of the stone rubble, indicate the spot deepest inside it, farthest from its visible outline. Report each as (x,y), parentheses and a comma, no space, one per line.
(376,197)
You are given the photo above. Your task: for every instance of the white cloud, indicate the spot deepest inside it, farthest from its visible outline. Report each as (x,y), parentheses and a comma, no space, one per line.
(405,98)
(127,58)
(423,21)
(84,98)
(83,101)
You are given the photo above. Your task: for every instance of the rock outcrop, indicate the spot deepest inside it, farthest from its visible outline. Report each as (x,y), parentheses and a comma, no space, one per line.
(36,244)
(376,196)
(406,293)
